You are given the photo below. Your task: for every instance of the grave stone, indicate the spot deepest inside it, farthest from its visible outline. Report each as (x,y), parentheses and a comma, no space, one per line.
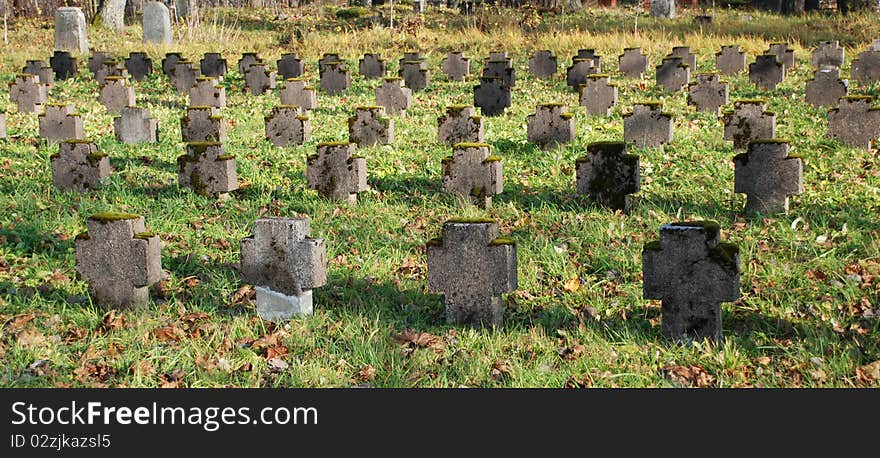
(109,68)
(284,264)
(184,76)
(687,57)
(79,166)
(766,72)
(415,74)
(39,68)
(460,124)
(157,24)
(598,94)
(335,78)
(119,259)
(412,56)
(207,92)
(139,65)
(709,93)
(826,88)
(369,126)
(648,126)
(608,175)
(259,79)
(213,65)
(633,63)
(116,94)
(169,62)
(134,125)
(866,69)
(748,121)
(97,59)
(207,169)
(501,68)
(543,64)
(203,124)
(59,122)
(456,66)
(28,93)
(472,172)
(287,125)
(372,66)
(730,60)
(492,96)
(577,74)
(590,54)
(297,92)
(550,125)
(326,59)
(768,175)
(70,30)
(828,53)
(248,59)
(394,96)
(63,64)
(783,54)
(472,266)
(673,74)
(692,272)
(662,9)
(335,172)
(855,122)
(290,66)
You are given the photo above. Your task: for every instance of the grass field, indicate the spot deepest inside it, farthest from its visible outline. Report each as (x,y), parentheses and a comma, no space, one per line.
(809,278)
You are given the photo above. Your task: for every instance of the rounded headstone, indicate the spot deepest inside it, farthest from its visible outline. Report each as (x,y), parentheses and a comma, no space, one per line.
(70,30)
(157,23)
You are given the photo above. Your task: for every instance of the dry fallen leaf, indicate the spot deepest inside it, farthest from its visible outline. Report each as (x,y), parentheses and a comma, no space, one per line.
(414,339)
(573,284)
(570,353)
(111,322)
(366,374)
(169,334)
(692,376)
(869,373)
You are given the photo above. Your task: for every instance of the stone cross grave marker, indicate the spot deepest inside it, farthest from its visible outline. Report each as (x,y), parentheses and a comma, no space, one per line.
(28,93)
(591,55)
(866,68)
(473,172)
(460,124)
(184,76)
(598,94)
(783,54)
(394,96)
(766,72)
(673,74)
(543,64)
(59,122)
(501,68)
(327,58)
(119,259)
(633,63)
(336,172)
(749,120)
(207,92)
(855,122)
(335,78)
(472,267)
(168,63)
(259,79)
(828,53)
(79,166)
(608,175)
(730,60)
(415,74)
(139,65)
(116,94)
(648,126)
(285,264)
(203,124)
(826,88)
(492,96)
(213,65)
(41,69)
(297,92)
(290,66)
(576,75)
(687,57)
(709,93)
(110,67)
(372,66)
(370,126)
(768,175)
(70,30)
(247,59)
(287,125)
(550,125)
(157,24)
(456,66)
(134,125)
(96,61)
(692,272)
(207,169)
(63,64)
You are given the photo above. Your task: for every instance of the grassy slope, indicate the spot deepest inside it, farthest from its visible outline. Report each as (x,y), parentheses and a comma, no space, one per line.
(793,326)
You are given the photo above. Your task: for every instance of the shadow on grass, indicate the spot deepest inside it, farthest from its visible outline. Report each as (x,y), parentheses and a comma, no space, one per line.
(32,238)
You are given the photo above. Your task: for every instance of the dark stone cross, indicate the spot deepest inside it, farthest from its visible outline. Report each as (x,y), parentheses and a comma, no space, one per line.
(473,172)
(207,169)
(139,65)
(335,172)
(290,66)
(247,59)
(673,74)
(456,66)
(730,60)
(766,72)
(168,63)
(633,63)
(213,65)
(648,126)
(692,272)
(828,53)
(543,64)
(866,68)
(460,124)
(63,64)
(472,267)
(607,174)
(748,121)
(492,96)
(855,122)
(768,175)
(372,66)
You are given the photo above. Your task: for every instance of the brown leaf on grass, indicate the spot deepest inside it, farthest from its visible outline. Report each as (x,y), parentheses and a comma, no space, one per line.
(584,381)
(111,322)
(763,360)
(18,322)
(571,353)
(277,365)
(142,367)
(869,373)
(501,370)
(366,374)
(169,334)
(816,275)
(573,284)
(694,376)
(206,362)
(160,290)
(94,373)
(246,367)
(242,296)
(30,339)
(173,379)
(75,334)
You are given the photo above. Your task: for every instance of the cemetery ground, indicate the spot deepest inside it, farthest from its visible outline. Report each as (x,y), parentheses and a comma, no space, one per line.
(810,277)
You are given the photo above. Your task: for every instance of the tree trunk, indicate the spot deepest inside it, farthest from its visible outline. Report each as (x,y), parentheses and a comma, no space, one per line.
(113,15)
